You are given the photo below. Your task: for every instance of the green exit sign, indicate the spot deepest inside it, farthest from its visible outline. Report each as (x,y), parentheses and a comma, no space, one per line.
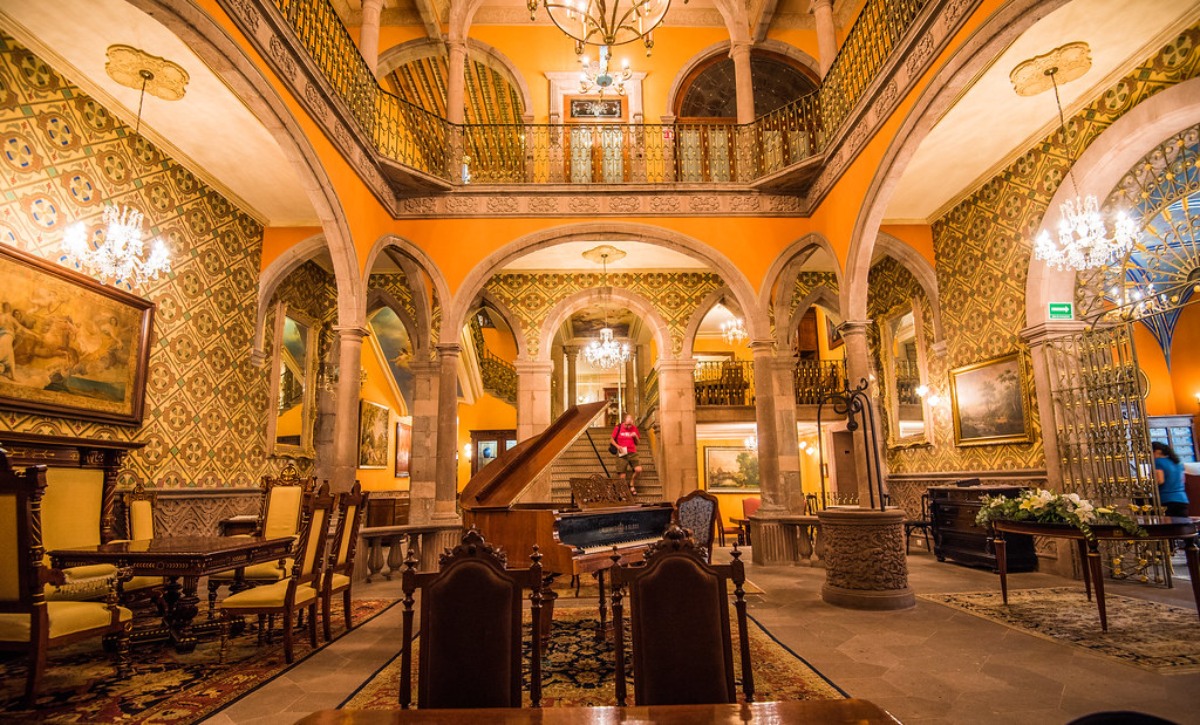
(1062,310)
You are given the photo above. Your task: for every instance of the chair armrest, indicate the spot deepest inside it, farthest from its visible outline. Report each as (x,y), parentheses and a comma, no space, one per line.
(53,576)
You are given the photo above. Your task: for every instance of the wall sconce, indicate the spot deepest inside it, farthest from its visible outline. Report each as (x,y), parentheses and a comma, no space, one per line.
(467,451)
(1198,402)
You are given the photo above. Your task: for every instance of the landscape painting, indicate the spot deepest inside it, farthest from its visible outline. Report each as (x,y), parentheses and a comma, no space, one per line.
(989,402)
(372,435)
(730,469)
(69,345)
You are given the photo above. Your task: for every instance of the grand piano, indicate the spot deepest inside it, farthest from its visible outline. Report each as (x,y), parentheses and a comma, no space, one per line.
(573,540)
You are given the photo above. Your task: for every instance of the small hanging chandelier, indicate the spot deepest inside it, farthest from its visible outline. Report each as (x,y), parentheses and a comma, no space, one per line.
(595,75)
(605,353)
(1083,239)
(117,256)
(733,331)
(605,22)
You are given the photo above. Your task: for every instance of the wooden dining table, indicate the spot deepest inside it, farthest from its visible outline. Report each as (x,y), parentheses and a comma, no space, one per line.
(1158,528)
(859,712)
(182,560)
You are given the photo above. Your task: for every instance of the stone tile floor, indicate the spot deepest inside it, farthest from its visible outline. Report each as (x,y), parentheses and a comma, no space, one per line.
(929,664)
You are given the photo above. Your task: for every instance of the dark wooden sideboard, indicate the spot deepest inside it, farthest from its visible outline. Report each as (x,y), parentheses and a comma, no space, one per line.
(956,536)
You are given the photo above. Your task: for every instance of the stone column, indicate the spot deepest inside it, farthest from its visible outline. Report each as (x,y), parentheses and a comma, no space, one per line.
(345,436)
(765,422)
(858,368)
(446,470)
(456,79)
(533,397)
(783,366)
(677,424)
(557,385)
(422,481)
(572,353)
(630,385)
(739,51)
(827,46)
(368,37)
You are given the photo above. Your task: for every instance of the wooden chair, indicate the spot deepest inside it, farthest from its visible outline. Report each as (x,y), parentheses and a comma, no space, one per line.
(749,508)
(923,524)
(679,616)
(139,524)
(29,623)
(339,574)
(301,590)
(471,629)
(698,512)
(283,498)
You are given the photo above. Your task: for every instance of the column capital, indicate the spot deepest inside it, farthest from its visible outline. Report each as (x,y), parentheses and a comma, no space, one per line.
(571,351)
(815,5)
(453,43)
(446,349)
(423,367)
(854,327)
(740,47)
(1043,331)
(349,331)
(681,365)
(533,367)
(760,348)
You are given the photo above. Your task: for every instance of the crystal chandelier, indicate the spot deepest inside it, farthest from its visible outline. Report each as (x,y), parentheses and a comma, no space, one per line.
(118,256)
(596,76)
(606,353)
(1083,239)
(605,22)
(733,331)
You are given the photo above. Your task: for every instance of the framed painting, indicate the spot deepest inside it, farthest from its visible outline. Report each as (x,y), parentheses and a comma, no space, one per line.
(372,435)
(70,346)
(403,449)
(989,402)
(731,469)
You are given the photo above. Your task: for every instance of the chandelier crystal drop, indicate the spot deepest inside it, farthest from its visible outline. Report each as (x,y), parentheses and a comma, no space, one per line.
(733,331)
(119,256)
(595,75)
(1084,242)
(606,353)
(605,22)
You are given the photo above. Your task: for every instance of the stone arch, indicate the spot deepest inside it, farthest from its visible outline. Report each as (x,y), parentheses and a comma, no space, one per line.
(781,278)
(994,35)
(756,319)
(510,318)
(821,296)
(635,302)
(212,43)
(921,270)
(721,48)
(702,310)
(418,267)
(271,277)
(411,50)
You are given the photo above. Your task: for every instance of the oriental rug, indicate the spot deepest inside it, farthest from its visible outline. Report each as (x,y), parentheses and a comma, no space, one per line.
(1154,636)
(579,671)
(81,684)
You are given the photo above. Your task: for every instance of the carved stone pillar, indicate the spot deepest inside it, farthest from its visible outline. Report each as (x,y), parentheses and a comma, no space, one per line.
(865,563)
(739,51)
(423,459)
(446,470)
(788,450)
(345,431)
(827,47)
(456,79)
(768,436)
(368,37)
(572,353)
(533,397)
(677,425)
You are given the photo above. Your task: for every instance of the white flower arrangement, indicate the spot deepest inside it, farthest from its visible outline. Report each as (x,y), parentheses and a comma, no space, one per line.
(1048,507)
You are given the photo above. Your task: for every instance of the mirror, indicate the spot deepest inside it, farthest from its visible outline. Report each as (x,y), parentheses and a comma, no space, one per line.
(293,384)
(904,367)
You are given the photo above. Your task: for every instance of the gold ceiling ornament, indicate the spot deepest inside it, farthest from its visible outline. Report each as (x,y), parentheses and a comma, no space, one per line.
(1031,77)
(604,254)
(605,22)
(128,65)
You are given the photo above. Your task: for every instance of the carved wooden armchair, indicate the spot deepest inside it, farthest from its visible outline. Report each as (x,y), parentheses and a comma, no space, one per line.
(679,616)
(339,574)
(72,516)
(139,524)
(470,643)
(699,512)
(29,623)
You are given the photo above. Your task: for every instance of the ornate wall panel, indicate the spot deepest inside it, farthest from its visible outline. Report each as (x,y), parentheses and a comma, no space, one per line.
(63,157)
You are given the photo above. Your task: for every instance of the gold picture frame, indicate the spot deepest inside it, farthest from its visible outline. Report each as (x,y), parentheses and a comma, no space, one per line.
(373,434)
(990,403)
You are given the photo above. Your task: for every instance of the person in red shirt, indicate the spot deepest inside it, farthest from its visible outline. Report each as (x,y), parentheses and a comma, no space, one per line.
(625,437)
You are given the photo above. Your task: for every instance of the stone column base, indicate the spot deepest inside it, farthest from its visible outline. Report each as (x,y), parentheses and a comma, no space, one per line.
(772,543)
(865,564)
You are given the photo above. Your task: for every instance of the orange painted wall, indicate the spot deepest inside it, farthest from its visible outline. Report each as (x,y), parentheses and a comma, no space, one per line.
(1185,360)
(277,240)
(500,343)
(486,413)
(917,236)
(377,390)
(1161,400)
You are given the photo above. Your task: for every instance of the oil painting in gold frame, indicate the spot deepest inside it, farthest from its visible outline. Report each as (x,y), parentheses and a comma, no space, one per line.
(989,402)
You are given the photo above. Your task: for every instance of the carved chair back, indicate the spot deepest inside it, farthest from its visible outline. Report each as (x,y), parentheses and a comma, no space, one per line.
(750,506)
(314,532)
(679,617)
(698,512)
(470,643)
(352,506)
(21,551)
(283,498)
(139,512)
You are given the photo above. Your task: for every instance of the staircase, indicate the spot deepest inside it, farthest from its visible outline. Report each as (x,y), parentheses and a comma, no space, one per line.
(579,461)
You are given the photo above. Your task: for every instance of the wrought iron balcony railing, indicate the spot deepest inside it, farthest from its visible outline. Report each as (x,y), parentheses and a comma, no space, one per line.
(729,382)
(814,378)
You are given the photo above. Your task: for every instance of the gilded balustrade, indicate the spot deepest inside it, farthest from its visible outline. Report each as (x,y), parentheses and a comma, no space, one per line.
(724,382)
(814,378)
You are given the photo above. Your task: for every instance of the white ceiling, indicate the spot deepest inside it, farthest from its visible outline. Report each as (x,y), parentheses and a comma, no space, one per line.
(568,256)
(212,133)
(975,138)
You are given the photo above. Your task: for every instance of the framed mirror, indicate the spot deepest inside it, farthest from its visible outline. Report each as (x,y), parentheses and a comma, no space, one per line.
(903,359)
(292,402)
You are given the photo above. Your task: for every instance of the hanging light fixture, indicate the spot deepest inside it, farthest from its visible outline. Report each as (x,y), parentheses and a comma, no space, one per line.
(733,331)
(594,75)
(751,442)
(605,22)
(1083,239)
(117,256)
(605,353)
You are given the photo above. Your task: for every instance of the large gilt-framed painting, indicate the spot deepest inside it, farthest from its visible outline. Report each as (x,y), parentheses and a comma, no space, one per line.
(731,469)
(989,402)
(372,435)
(69,345)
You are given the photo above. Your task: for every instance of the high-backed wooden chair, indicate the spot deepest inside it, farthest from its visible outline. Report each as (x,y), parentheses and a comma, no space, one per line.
(279,516)
(698,512)
(679,616)
(339,574)
(29,623)
(750,507)
(471,629)
(301,590)
(139,524)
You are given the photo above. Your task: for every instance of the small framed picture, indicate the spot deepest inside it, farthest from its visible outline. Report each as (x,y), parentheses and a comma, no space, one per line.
(372,435)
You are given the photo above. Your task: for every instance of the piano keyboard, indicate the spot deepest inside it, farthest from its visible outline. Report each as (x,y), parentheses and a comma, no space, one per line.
(621,545)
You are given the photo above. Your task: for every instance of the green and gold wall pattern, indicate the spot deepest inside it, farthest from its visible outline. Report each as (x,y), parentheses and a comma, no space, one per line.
(63,157)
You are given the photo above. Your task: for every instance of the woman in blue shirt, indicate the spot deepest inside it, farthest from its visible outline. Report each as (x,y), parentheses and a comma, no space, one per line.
(1168,470)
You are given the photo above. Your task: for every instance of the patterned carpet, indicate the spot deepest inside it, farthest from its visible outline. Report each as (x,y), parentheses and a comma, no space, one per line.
(579,671)
(1150,635)
(81,685)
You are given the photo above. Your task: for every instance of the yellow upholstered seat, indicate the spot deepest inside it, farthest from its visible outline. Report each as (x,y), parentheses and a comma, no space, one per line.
(268,571)
(267,595)
(65,618)
(340,580)
(81,583)
(352,507)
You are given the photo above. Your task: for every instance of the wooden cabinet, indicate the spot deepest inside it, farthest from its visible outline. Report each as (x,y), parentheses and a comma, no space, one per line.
(1176,431)
(956,536)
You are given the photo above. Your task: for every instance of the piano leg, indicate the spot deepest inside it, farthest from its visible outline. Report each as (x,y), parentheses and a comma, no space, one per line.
(603,607)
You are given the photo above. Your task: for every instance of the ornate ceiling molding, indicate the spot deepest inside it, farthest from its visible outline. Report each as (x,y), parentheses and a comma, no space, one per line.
(125,64)
(1068,62)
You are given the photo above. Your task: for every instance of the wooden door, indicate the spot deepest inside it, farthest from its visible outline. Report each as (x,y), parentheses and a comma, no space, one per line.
(845,465)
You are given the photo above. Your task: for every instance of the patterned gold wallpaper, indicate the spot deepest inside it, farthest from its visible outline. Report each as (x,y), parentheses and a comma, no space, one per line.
(63,156)
(982,251)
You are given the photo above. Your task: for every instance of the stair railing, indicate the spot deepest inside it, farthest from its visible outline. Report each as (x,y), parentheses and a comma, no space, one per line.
(595,450)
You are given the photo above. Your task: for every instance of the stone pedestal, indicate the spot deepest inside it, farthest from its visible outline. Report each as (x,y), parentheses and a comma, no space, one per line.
(773,543)
(865,564)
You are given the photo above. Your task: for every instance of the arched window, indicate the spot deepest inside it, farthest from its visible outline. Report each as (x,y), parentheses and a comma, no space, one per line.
(489,96)
(710,92)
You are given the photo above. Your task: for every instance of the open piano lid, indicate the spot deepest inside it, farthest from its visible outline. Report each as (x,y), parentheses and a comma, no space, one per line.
(500,482)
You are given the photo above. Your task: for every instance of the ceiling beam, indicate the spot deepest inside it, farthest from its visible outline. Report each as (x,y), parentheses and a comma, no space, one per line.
(430,18)
(761,21)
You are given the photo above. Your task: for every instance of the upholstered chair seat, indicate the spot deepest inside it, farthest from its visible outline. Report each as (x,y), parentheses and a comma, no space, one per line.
(267,595)
(352,507)
(65,618)
(266,572)
(81,583)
